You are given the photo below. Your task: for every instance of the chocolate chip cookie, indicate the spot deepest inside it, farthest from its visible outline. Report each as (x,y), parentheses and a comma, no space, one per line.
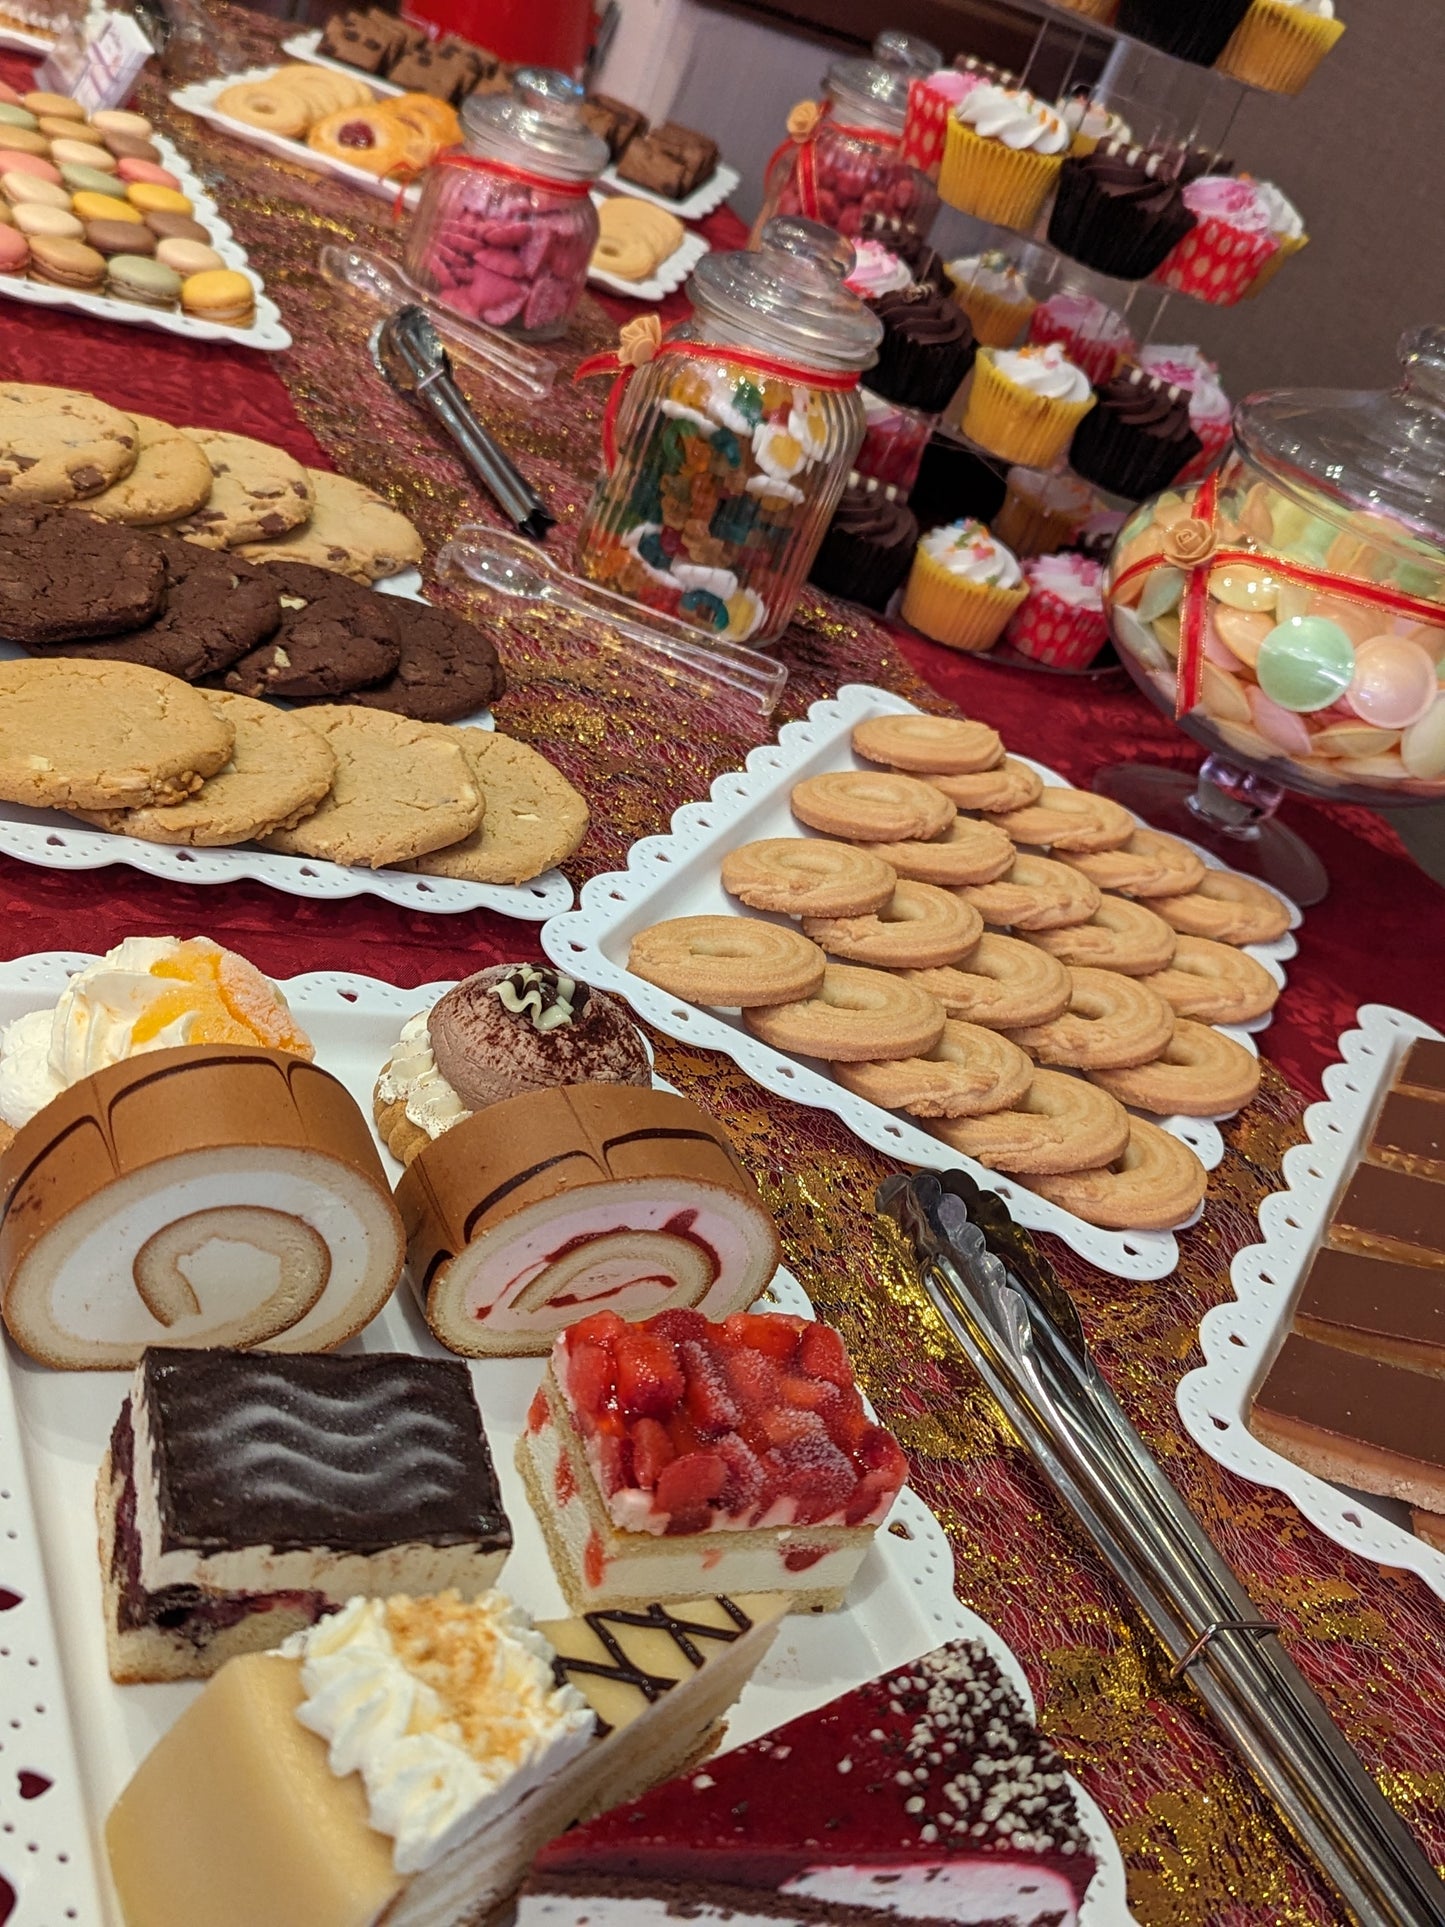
(64,575)
(216,609)
(447,670)
(256,491)
(171,477)
(351,530)
(334,636)
(60,446)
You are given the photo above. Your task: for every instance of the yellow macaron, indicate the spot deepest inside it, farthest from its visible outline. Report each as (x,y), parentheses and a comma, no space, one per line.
(154,199)
(91,206)
(220,294)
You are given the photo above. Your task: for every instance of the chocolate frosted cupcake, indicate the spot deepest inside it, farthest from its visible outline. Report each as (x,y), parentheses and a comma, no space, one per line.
(927,349)
(955,483)
(1197,30)
(1137,439)
(1119,210)
(869,544)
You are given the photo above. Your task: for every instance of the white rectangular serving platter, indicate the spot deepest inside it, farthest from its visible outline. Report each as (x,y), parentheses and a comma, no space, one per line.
(704,199)
(678,875)
(307,47)
(72,1725)
(1240,1340)
(666,277)
(267,332)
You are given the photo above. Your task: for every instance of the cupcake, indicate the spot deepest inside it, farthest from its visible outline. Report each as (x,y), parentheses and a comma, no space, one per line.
(931,99)
(1025,403)
(1286,224)
(1043,512)
(1195,30)
(1002,154)
(1279,43)
(1222,255)
(1119,210)
(927,349)
(876,270)
(994,295)
(954,483)
(1090,332)
(963,587)
(869,544)
(894,438)
(913,249)
(1138,438)
(1211,414)
(1089,122)
(504,1031)
(1062,623)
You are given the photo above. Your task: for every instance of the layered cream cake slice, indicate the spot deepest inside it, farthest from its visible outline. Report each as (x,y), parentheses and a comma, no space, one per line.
(404,1760)
(925,1796)
(675,1455)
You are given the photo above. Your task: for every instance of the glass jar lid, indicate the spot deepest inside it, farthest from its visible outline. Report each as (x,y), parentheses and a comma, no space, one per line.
(788,295)
(869,93)
(1377,451)
(538,125)
(909,52)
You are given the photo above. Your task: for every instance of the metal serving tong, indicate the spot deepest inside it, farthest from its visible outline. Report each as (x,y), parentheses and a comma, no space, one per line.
(410,356)
(1020,1331)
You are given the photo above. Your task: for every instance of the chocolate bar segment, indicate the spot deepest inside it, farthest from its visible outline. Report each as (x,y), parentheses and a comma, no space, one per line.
(1422,1068)
(1392,1214)
(1376,1306)
(1409,1134)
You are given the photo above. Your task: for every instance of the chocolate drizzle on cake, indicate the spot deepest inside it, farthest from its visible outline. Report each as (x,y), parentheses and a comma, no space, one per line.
(686,1634)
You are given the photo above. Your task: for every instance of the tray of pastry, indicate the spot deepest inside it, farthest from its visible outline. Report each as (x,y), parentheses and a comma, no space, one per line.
(105,1667)
(642,251)
(1325,1379)
(1173,998)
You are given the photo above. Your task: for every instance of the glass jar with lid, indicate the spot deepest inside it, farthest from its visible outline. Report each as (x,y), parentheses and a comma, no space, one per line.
(505,227)
(733,443)
(842,163)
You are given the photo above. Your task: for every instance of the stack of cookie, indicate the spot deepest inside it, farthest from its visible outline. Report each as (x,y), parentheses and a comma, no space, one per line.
(342,117)
(1029,1007)
(634,238)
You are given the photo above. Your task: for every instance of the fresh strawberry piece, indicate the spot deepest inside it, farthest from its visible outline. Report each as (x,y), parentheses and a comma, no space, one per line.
(781,1426)
(873,1494)
(745,1475)
(649,1374)
(590,1379)
(652,1449)
(811,1394)
(814,1474)
(612,1461)
(680,1325)
(600,1328)
(879,1451)
(752,1378)
(691,1484)
(848,1423)
(823,1354)
(708,1402)
(773,1333)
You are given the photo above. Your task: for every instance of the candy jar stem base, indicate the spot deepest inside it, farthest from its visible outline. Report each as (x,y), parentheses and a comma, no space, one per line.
(1226,817)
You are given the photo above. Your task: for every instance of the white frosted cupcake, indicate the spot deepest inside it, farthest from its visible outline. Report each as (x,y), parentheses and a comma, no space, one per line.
(1286,224)
(876,271)
(1025,403)
(963,587)
(1279,43)
(994,295)
(1002,154)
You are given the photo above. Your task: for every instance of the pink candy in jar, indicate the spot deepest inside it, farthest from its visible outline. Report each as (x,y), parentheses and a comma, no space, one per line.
(505,230)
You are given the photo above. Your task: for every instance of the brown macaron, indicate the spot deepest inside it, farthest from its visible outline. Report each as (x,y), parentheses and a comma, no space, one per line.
(70,130)
(26,140)
(66,264)
(175,227)
(120,237)
(60,105)
(130,147)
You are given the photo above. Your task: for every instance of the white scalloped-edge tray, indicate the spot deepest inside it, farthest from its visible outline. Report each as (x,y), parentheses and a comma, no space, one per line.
(678,875)
(703,200)
(267,332)
(1241,1340)
(71,1724)
(667,276)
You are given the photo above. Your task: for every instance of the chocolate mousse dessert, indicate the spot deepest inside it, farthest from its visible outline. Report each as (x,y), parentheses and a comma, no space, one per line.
(927,348)
(505,1031)
(1120,209)
(1137,438)
(869,544)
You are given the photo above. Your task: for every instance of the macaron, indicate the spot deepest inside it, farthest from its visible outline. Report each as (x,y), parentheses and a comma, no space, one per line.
(103,207)
(70,130)
(120,237)
(66,264)
(151,284)
(187,257)
(52,222)
(83,154)
(89,180)
(14,251)
(151,199)
(116,120)
(179,227)
(13,163)
(129,145)
(60,105)
(20,188)
(24,140)
(222,295)
(18,117)
(134,170)
(9,95)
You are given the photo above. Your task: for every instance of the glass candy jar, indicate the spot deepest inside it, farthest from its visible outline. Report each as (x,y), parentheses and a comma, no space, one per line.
(734,443)
(505,227)
(842,163)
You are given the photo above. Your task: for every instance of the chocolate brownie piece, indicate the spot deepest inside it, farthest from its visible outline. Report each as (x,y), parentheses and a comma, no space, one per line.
(448,70)
(613,121)
(216,608)
(335,635)
(64,575)
(672,161)
(447,669)
(365,38)
(701,149)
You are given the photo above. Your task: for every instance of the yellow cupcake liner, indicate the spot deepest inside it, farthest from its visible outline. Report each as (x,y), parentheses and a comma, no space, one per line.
(951,610)
(1031,528)
(1093,9)
(982,177)
(1278,47)
(997,321)
(1008,421)
(1276,261)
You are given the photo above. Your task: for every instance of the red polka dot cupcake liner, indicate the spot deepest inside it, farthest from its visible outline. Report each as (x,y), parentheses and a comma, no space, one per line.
(1052,632)
(1216,262)
(925,128)
(1098,359)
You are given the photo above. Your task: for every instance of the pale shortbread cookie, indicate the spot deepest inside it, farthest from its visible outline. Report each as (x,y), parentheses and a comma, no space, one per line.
(60,446)
(279,771)
(1155,1183)
(1059,1124)
(171,478)
(533,818)
(731,963)
(1199,1073)
(929,745)
(401,788)
(256,491)
(352,530)
(103,735)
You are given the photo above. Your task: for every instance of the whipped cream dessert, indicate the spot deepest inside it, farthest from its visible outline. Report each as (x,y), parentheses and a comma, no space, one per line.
(1043,370)
(967,550)
(1229,199)
(1071,579)
(148,993)
(1014,118)
(877,270)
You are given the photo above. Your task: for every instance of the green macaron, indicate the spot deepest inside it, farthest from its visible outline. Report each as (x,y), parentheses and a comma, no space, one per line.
(135,277)
(16,116)
(90,180)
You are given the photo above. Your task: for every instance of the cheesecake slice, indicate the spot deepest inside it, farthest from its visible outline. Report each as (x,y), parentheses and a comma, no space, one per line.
(676,1456)
(404,1760)
(924,1796)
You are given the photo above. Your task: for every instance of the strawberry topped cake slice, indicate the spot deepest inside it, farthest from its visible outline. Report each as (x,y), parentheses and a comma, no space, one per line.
(926,1795)
(676,1457)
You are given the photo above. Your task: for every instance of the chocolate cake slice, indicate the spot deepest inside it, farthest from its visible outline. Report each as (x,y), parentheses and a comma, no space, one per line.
(247,1494)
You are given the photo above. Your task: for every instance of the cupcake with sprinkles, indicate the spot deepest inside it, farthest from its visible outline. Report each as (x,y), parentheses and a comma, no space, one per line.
(1062,624)
(963,587)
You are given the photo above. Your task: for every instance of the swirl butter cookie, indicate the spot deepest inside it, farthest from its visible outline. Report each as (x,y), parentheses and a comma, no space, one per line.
(919,928)
(1227,909)
(928,745)
(1059,1124)
(967,852)
(1215,982)
(1155,1183)
(1111,1022)
(1150,864)
(968,1072)
(871,806)
(854,1016)
(809,876)
(1003,983)
(1035,894)
(1072,820)
(1199,1073)
(1120,936)
(1011,785)
(729,962)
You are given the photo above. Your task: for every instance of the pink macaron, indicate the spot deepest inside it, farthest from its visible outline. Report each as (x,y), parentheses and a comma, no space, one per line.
(130,170)
(8,96)
(28,164)
(14,251)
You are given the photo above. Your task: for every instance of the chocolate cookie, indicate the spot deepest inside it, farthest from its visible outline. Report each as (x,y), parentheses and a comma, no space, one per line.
(335,636)
(64,574)
(216,609)
(447,669)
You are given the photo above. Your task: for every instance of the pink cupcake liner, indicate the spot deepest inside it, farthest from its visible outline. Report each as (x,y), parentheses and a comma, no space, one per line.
(925,128)
(1215,262)
(1052,632)
(1098,359)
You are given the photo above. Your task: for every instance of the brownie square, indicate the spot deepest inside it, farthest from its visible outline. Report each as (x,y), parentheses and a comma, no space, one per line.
(447,70)
(365,38)
(700,148)
(668,161)
(613,121)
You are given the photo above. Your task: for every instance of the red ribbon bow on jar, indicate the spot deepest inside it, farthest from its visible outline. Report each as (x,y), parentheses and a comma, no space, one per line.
(642,341)
(803,124)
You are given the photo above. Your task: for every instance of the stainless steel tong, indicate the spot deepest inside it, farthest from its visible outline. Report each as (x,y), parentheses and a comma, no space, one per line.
(1019,1329)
